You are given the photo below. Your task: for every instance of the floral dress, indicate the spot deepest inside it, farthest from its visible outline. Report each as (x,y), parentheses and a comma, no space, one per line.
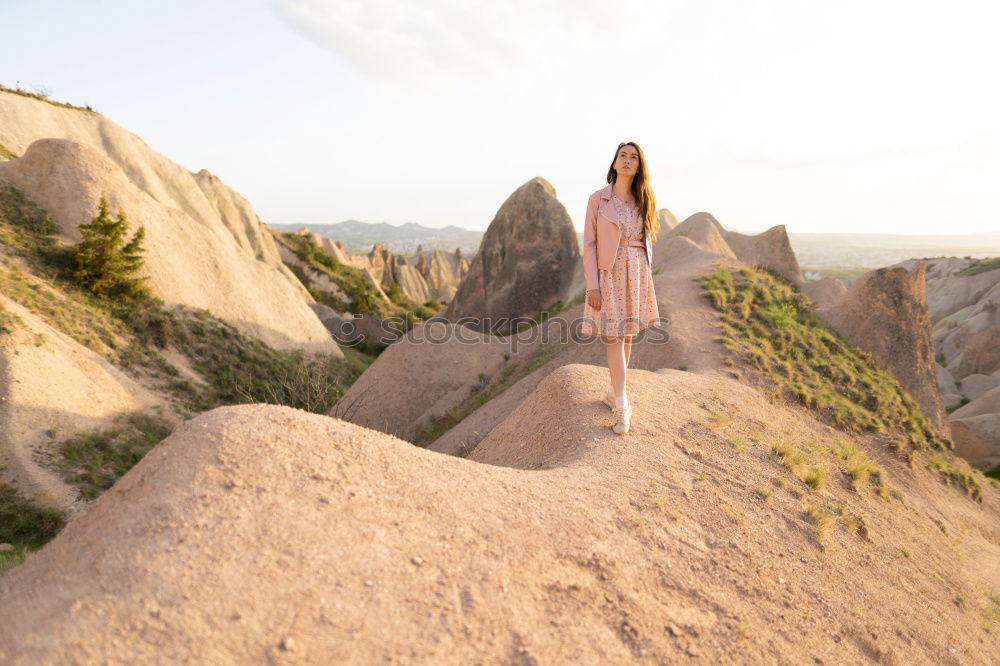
(628,300)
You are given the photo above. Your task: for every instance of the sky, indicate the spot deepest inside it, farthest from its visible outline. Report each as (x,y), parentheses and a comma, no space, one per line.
(843,116)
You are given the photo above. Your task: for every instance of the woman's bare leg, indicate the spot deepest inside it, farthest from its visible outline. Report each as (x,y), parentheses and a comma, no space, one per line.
(615,348)
(628,348)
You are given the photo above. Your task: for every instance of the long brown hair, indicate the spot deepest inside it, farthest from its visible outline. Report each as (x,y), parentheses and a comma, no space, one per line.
(641,191)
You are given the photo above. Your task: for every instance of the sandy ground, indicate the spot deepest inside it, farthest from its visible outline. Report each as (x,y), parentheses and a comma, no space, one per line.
(259,533)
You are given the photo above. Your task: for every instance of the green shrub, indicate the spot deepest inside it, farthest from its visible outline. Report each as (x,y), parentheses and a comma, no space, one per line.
(107,264)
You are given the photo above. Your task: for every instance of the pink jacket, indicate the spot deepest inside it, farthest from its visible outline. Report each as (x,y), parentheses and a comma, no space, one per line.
(601,234)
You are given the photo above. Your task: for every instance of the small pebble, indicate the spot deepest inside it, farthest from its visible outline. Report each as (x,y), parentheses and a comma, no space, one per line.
(416,559)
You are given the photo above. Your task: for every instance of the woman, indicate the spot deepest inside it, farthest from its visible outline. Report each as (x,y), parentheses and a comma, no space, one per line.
(619,229)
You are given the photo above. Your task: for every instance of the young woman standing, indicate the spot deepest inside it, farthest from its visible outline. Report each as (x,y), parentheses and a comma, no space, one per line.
(620,226)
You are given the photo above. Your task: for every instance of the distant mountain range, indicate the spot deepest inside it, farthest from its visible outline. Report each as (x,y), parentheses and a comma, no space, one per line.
(358,237)
(813,250)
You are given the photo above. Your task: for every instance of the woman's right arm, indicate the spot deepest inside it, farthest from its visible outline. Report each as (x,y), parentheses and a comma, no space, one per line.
(590,244)
(590,254)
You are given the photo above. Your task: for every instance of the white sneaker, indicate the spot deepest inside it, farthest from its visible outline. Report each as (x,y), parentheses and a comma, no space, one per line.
(623,419)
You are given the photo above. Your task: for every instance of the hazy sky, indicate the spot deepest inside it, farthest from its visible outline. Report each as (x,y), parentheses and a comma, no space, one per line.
(847,116)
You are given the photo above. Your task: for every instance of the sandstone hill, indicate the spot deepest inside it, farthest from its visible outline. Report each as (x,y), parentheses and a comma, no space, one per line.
(667,219)
(66,367)
(265,534)
(205,243)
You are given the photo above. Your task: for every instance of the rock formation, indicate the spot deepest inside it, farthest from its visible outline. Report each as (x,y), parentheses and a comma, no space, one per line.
(525,263)
(443,271)
(428,275)
(884,312)
(965,312)
(769,248)
(667,220)
(52,387)
(705,231)
(826,292)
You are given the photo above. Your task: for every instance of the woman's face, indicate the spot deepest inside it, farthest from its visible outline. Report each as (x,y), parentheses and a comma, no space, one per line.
(627,161)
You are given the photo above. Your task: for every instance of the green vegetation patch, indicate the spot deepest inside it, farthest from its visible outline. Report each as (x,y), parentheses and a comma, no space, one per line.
(958,472)
(106,262)
(980,266)
(75,314)
(27,230)
(860,469)
(768,324)
(6,153)
(820,519)
(8,321)
(94,461)
(358,288)
(235,368)
(24,526)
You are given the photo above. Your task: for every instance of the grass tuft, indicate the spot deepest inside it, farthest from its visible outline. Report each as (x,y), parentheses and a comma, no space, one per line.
(24,526)
(820,520)
(957,472)
(815,478)
(860,469)
(788,453)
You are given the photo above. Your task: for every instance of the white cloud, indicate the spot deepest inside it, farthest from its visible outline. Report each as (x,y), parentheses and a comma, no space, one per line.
(419,43)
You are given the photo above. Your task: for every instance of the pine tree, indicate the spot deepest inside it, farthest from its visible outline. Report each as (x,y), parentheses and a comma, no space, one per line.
(103,264)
